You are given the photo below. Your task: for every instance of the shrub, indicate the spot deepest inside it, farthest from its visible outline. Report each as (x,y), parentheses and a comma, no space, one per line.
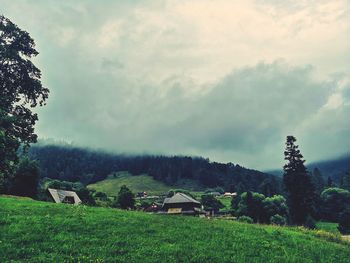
(344,222)
(251,204)
(333,203)
(211,203)
(245,219)
(275,205)
(278,220)
(101,196)
(125,199)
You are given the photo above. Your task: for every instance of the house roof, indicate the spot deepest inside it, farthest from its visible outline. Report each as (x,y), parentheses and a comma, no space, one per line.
(180,198)
(59,195)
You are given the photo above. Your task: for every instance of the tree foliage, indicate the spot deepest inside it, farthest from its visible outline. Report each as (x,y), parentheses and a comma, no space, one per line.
(299,188)
(76,164)
(333,202)
(125,198)
(20,91)
(344,221)
(210,203)
(260,208)
(251,204)
(26,178)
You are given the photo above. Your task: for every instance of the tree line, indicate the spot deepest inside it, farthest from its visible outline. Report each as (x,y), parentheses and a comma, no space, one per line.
(87,166)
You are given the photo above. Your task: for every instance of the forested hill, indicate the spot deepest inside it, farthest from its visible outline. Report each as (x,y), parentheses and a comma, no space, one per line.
(336,168)
(87,166)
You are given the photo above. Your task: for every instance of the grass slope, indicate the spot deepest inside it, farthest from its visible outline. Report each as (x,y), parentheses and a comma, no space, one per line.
(34,231)
(138,183)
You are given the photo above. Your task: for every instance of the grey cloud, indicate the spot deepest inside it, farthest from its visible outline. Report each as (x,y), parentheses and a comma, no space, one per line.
(161,84)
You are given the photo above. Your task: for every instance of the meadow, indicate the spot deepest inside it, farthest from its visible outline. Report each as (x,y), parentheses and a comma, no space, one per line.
(33,231)
(140,183)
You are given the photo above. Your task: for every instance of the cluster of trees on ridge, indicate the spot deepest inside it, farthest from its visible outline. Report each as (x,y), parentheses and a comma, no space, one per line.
(305,198)
(87,166)
(21,90)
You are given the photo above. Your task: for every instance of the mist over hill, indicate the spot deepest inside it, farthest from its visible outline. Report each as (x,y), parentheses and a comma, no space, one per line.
(89,166)
(333,168)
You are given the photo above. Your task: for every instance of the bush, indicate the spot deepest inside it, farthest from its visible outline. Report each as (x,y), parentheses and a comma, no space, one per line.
(251,204)
(333,203)
(125,198)
(310,222)
(26,178)
(211,203)
(344,222)
(275,205)
(278,220)
(245,219)
(101,196)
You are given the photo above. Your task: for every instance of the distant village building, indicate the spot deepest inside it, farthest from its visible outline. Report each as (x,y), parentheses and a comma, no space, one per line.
(141,194)
(154,207)
(228,194)
(181,204)
(63,196)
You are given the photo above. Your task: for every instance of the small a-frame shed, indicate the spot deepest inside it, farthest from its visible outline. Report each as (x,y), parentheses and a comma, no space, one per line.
(63,196)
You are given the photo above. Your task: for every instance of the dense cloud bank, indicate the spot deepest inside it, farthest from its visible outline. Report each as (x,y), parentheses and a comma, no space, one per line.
(227,80)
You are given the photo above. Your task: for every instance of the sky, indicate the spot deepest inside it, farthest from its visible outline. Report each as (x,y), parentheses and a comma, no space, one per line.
(227,80)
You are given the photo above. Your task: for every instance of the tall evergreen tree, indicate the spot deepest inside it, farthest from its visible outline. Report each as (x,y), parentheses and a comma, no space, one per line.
(299,188)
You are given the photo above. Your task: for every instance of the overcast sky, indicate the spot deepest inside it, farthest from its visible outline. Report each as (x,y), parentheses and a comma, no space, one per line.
(226,80)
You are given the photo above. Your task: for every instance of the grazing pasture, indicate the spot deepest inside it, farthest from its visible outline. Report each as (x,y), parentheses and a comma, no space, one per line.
(139,183)
(35,231)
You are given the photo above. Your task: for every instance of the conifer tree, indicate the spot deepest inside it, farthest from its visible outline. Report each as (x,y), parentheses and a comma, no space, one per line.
(297,182)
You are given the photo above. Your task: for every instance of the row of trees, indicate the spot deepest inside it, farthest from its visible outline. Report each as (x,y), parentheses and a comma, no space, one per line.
(305,198)
(261,209)
(76,164)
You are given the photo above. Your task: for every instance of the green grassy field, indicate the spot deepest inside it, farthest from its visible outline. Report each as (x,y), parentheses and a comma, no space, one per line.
(34,231)
(138,183)
(329,227)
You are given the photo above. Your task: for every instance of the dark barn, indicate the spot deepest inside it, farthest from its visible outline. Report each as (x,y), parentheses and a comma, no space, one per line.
(181,204)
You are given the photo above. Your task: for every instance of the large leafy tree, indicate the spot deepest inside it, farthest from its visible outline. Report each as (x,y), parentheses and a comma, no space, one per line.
(26,178)
(20,91)
(210,203)
(125,198)
(299,188)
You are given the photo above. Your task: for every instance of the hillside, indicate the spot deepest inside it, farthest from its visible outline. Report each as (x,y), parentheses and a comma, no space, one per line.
(139,183)
(88,166)
(34,231)
(334,168)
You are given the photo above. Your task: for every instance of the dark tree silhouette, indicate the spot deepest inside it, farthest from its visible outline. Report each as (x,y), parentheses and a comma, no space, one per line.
(299,188)
(210,203)
(125,198)
(26,178)
(20,90)
(318,181)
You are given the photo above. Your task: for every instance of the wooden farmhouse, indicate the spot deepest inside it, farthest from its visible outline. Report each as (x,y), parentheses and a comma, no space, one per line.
(63,196)
(181,204)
